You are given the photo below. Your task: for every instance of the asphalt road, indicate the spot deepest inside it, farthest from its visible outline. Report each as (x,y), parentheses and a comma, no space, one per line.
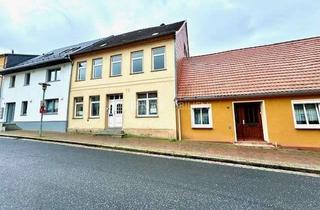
(35,175)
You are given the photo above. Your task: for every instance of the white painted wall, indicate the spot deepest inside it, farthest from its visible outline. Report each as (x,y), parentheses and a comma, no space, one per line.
(33,94)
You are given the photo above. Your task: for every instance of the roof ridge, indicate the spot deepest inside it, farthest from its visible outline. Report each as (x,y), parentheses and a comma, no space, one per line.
(258,46)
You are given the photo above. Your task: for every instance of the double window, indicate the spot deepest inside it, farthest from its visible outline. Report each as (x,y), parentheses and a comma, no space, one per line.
(137,62)
(158,58)
(97,68)
(306,113)
(12,81)
(94,106)
(78,107)
(147,104)
(81,71)
(116,65)
(27,79)
(52,106)
(53,75)
(201,116)
(24,108)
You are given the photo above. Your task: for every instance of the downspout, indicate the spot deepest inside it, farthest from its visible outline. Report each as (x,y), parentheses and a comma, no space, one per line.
(179,119)
(68,102)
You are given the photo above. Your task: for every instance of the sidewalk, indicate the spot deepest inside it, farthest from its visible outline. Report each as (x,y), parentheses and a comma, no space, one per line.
(287,159)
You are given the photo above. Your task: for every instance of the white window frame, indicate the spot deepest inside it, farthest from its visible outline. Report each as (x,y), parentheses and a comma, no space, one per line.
(147,99)
(114,62)
(94,102)
(78,71)
(25,78)
(303,102)
(93,68)
(75,107)
(138,58)
(56,105)
(11,83)
(199,106)
(164,58)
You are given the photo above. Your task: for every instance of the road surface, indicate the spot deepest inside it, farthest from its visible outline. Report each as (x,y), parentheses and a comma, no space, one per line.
(36,175)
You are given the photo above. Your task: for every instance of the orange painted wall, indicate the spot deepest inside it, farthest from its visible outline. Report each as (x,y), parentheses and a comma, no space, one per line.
(279,117)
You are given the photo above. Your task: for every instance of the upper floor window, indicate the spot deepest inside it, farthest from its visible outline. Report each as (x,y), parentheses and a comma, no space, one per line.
(97,68)
(116,65)
(94,106)
(81,71)
(12,82)
(52,106)
(201,116)
(137,62)
(78,107)
(53,75)
(27,79)
(306,113)
(158,58)
(24,108)
(147,104)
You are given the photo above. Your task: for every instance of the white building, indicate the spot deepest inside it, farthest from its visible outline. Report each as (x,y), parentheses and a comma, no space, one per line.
(21,93)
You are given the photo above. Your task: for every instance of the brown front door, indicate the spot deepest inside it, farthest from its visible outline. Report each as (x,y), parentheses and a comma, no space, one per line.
(248,121)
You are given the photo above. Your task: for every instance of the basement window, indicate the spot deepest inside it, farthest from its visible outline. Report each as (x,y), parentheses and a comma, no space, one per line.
(306,114)
(201,116)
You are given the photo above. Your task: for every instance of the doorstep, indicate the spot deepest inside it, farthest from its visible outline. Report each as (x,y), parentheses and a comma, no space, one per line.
(255,144)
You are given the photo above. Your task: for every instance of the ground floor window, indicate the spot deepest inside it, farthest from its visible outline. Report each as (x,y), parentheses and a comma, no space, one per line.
(306,113)
(52,106)
(94,106)
(147,104)
(201,116)
(24,108)
(78,107)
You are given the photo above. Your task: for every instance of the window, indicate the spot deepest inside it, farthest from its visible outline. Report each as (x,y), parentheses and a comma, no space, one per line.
(137,62)
(27,79)
(81,72)
(158,58)
(306,113)
(94,106)
(78,107)
(53,75)
(24,108)
(97,68)
(12,81)
(147,104)
(201,116)
(116,65)
(52,106)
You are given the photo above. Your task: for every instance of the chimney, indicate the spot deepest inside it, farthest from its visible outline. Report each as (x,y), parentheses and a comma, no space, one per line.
(12,51)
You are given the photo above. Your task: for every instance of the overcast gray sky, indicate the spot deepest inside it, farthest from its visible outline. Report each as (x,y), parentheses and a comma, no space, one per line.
(37,26)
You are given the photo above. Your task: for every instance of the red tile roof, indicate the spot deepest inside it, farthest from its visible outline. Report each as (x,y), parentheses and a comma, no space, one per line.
(278,69)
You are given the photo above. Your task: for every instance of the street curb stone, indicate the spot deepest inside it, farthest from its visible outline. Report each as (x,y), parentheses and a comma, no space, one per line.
(168,154)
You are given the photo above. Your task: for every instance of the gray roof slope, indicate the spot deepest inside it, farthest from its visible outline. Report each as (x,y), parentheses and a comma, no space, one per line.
(134,36)
(15,59)
(53,57)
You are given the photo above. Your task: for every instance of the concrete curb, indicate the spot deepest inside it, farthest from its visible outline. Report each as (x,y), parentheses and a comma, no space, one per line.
(168,154)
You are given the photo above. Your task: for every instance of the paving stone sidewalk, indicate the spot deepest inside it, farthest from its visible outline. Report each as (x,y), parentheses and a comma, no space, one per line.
(289,159)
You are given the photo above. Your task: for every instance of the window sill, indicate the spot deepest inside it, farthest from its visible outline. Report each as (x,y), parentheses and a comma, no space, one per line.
(96,78)
(53,113)
(156,70)
(77,118)
(23,115)
(147,116)
(93,118)
(134,73)
(119,75)
(307,127)
(202,127)
(80,80)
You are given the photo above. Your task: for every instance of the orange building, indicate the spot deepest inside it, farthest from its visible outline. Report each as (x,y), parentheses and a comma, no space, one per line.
(268,94)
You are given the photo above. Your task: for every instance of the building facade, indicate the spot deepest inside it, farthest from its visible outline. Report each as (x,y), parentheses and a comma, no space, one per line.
(128,82)
(268,94)
(22,95)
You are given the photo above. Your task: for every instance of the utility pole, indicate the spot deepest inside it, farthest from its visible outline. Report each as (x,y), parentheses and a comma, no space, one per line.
(42,105)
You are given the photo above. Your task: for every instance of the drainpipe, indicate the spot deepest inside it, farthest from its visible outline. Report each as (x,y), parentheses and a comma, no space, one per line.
(179,120)
(68,101)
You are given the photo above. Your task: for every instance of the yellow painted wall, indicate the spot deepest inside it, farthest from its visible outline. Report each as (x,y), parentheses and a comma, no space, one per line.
(162,81)
(2,60)
(280,123)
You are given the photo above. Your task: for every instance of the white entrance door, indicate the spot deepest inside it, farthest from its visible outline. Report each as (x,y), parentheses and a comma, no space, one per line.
(115,111)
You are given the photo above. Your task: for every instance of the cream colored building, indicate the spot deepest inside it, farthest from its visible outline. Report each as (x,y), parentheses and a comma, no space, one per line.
(128,81)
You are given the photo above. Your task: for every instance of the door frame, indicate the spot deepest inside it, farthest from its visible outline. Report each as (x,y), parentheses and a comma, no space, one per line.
(6,111)
(263,119)
(107,110)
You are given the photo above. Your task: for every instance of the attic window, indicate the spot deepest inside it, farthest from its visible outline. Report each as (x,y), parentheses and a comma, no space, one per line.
(48,54)
(154,34)
(104,44)
(70,49)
